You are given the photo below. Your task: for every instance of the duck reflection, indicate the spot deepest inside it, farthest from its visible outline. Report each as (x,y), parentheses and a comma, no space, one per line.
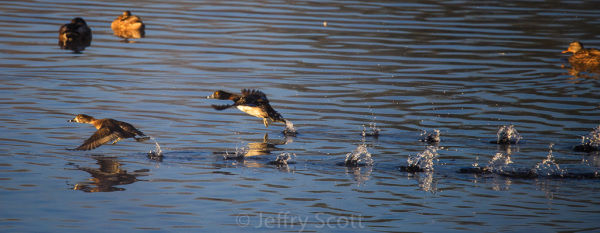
(254,151)
(582,72)
(107,176)
(75,36)
(128,26)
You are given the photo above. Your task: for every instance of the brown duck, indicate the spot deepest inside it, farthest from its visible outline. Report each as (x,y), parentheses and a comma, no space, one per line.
(107,130)
(128,26)
(253,102)
(581,56)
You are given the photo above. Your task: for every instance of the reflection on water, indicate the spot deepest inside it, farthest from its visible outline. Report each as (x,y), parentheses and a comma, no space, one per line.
(360,174)
(254,149)
(108,177)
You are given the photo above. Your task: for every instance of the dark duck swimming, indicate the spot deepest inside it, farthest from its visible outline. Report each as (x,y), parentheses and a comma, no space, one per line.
(107,130)
(253,102)
(75,35)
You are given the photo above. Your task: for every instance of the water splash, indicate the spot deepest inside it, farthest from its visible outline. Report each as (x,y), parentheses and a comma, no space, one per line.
(373,130)
(290,130)
(422,161)
(358,155)
(499,163)
(239,154)
(549,167)
(431,137)
(590,142)
(157,153)
(283,159)
(508,135)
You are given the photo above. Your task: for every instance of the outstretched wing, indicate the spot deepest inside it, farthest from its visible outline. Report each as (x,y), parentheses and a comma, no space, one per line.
(256,93)
(221,107)
(99,138)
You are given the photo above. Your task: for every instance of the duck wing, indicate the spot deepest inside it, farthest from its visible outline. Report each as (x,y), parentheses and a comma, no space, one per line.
(129,130)
(99,138)
(255,93)
(594,52)
(221,107)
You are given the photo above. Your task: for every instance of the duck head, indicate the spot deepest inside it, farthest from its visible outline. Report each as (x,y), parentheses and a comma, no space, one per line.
(574,47)
(82,118)
(220,95)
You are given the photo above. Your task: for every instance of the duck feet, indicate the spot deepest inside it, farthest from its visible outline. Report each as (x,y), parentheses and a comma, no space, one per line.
(142,139)
(118,139)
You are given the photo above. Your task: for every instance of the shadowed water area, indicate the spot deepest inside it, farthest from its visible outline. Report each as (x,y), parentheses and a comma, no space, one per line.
(333,69)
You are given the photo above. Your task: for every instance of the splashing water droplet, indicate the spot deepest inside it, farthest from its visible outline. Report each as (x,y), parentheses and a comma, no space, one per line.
(423,161)
(284,158)
(548,166)
(156,152)
(240,153)
(432,137)
(360,154)
(590,142)
(290,130)
(499,163)
(508,135)
(374,130)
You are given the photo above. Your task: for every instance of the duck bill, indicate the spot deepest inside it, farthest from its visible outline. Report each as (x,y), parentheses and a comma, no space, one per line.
(72,120)
(566,51)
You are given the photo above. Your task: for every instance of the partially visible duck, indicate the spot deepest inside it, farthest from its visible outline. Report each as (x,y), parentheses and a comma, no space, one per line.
(75,35)
(588,57)
(107,130)
(128,26)
(253,102)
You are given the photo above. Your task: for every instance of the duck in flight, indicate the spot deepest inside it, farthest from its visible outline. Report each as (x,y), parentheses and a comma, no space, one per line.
(107,130)
(253,102)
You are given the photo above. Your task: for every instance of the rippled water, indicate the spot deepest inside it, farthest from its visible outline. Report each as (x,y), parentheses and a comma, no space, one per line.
(464,68)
